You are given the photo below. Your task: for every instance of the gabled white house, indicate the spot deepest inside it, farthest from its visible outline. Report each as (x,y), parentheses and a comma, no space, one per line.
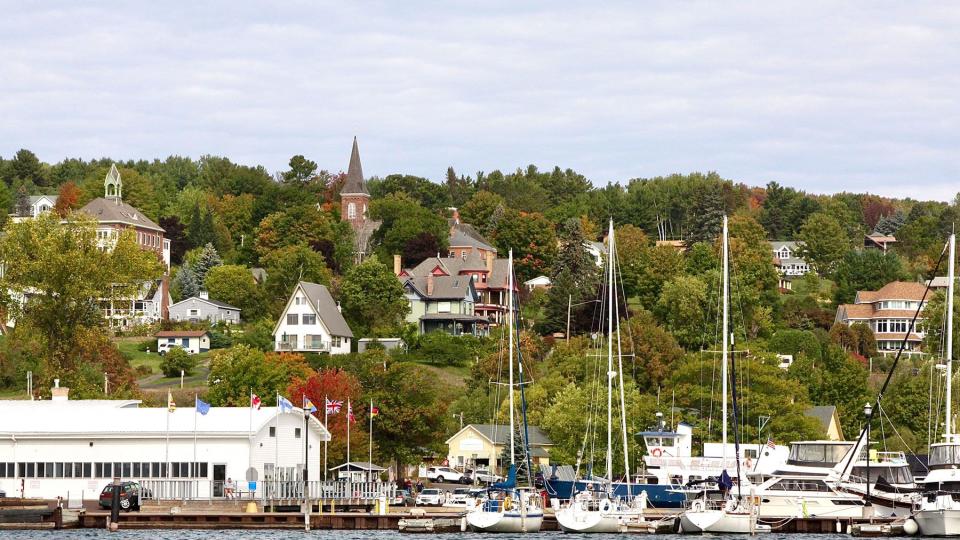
(38,205)
(311,322)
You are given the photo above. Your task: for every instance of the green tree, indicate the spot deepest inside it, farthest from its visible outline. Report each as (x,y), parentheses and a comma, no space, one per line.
(865,270)
(185,284)
(838,379)
(404,219)
(234,372)
(373,299)
(234,285)
(303,224)
(480,209)
(576,278)
(680,310)
(933,325)
(823,243)
(176,360)
(206,259)
(532,239)
(706,220)
(301,170)
(26,166)
(286,267)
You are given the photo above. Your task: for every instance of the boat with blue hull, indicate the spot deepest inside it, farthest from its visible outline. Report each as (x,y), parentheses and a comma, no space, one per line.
(657,495)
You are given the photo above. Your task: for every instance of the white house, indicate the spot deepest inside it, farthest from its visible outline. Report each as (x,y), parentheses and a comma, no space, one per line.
(786,257)
(311,322)
(38,205)
(192,341)
(202,308)
(74,448)
(539,282)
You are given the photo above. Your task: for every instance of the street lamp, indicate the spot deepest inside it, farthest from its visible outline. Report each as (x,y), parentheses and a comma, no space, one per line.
(868,414)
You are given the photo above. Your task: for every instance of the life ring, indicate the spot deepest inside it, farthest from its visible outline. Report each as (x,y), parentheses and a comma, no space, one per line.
(656,452)
(507,503)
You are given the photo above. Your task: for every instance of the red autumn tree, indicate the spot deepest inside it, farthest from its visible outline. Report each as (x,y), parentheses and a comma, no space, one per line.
(67,200)
(335,384)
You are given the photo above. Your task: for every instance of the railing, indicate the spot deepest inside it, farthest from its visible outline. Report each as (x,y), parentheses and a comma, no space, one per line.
(270,491)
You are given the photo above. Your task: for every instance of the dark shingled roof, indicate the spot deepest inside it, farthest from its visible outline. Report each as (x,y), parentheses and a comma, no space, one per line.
(320,299)
(114,210)
(444,287)
(464,235)
(355,182)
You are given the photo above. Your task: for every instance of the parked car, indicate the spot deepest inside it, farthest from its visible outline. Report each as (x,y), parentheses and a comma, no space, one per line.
(484,476)
(444,474)
(164,347)
(458,497)
(430,497)
(130,494)
(403,498)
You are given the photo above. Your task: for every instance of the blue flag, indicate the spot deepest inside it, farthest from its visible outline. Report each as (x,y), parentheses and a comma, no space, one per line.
(202,406)
(284,404)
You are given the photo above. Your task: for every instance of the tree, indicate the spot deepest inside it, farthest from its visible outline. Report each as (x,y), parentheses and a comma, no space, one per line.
(301,170)
(26,166)
(459,189)
(67,200)
(289,265)
(334,384)
(865,270)
(206,260)
(199,233)
(838,379)
(533,241)
(934,325)
(681,310)
(419,248)
(575,280)
(373,299)
(234,285)
(754,281)
(823,243)
(707,216)
(234,372)
(480,209)
(174,232)
(185,283)
(176,360)
(653,350)
(427,194)
(405,219)
(305,225)
(23,202)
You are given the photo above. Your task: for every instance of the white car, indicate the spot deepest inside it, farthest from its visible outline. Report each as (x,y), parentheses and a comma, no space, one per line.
(430,497)
(163,348)
(484,476)
(444,474)
(458,498)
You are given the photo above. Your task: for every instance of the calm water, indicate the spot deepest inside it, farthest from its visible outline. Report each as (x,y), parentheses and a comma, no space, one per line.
(331,535)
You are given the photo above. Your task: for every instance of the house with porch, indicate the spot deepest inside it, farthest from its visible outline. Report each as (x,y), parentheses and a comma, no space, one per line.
(38,204)
(481,445)
(888,312)
(312,322)
(203,309)
(789,264)
(445,303)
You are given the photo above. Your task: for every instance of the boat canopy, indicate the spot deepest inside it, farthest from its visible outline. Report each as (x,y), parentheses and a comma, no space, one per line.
(818,453)
(944,455)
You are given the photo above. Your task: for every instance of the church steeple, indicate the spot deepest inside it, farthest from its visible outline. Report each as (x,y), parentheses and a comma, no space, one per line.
(355,183)
(112,185)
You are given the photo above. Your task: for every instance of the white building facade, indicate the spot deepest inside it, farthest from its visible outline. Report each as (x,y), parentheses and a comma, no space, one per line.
(312,322)
(72,449)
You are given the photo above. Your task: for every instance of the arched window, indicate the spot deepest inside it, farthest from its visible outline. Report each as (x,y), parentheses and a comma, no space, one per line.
(351,210)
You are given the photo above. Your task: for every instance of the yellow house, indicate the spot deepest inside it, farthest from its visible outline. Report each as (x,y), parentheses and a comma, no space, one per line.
(481,445)
(829,419)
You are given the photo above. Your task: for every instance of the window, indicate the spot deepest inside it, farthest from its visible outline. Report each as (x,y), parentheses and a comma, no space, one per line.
(351,211)
(309,318)
(443,307)
(292,318)
(273,431)
(88,470)
(194,312)
(335,341)
(299,300)
(296,433)
(136,469)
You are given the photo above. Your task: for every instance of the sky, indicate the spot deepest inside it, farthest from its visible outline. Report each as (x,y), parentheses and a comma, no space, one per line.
(821,96)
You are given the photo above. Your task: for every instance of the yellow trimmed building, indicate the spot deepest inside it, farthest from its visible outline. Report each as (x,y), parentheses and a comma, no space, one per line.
(481,445)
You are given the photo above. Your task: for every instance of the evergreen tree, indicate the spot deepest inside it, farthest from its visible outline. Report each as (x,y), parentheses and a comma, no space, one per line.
(519,455)
(706,221)
(186,283)
(208,259)
(200,229)
(576,278)
(23,202)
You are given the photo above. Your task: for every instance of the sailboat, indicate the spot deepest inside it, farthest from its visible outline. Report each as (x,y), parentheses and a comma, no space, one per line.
(606,513)
(735,515)
(507,507)
(939,513)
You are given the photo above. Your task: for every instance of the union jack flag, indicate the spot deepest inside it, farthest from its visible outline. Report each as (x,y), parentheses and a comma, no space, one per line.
(353,419)
(334,406)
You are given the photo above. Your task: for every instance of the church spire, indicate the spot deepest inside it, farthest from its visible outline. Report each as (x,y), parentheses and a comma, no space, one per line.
(354,182)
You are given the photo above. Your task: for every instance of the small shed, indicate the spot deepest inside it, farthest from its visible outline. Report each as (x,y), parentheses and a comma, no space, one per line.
(192,341)
(388,344)
(358,471)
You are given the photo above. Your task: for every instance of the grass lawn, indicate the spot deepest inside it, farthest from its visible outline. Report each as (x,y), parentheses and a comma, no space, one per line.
(156,380)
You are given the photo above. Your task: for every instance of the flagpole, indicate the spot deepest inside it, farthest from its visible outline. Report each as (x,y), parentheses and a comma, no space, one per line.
(349,414)
(370,447)
(195,403)
(250,431)
(167,447)
(326,414)
(276,441)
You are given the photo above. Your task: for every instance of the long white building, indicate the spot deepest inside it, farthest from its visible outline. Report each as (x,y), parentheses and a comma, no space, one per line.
(73,449)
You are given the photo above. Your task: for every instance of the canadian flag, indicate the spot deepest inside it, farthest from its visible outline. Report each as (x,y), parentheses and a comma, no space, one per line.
(255,401)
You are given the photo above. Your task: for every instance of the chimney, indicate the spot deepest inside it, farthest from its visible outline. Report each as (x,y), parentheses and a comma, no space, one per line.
(397,266)
(204,295)
(490,257)
(430,284)
(456,216)
(339,308)
(57,393)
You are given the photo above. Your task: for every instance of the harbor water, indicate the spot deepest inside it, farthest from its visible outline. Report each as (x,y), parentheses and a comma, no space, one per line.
(187,534)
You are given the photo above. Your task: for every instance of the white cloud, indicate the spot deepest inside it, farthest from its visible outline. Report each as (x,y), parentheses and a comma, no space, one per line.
(819,96)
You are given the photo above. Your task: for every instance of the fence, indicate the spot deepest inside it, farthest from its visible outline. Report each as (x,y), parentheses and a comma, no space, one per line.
(270,491)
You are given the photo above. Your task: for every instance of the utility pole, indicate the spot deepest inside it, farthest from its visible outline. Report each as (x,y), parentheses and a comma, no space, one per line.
(569,304)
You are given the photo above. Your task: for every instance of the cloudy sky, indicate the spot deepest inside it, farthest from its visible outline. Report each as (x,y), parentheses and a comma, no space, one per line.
(823,96)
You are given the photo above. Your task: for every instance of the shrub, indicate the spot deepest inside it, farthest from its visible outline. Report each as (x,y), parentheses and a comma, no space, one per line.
(175,360)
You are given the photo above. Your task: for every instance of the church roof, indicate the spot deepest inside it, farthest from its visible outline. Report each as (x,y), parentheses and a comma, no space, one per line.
(355,182)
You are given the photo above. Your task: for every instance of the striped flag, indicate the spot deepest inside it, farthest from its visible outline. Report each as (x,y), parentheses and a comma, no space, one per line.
(255,401)
(770,444)
(334,406)
(350,416)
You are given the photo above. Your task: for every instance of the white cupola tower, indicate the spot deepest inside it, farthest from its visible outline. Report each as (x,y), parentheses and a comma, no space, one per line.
(112,185)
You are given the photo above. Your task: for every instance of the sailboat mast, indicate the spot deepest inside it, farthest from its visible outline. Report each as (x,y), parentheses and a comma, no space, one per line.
(610,372)
(510,346)
(726,330)
(948,356)
(623,406)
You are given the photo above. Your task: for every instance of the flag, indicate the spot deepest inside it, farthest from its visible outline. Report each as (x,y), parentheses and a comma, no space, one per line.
(171,406)
(255,401)
(308,405)
(334,406)
(202,407)
(771,444)
(374,411)
(353,419)
(284,404)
